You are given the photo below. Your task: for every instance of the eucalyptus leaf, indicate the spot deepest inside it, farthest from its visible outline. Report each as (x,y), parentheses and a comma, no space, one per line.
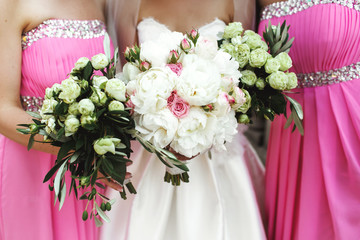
(34,114)
(298,123)
(58,178)
(74,157)
(98,223)
(288,121)
(107,46)
(62,196)
(297,106)
(31,142)
(53,170)
(112,201)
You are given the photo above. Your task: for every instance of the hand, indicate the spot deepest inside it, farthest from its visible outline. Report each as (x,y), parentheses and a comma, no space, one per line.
(179,156)
(112,183)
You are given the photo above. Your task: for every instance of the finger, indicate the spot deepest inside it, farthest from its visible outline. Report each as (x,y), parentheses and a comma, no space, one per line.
(112,184)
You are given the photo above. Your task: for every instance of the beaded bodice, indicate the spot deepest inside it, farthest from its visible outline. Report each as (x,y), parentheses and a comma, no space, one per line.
(50,51)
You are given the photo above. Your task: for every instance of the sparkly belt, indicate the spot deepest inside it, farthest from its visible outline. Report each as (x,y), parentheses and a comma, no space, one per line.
(31,104)
(323,78)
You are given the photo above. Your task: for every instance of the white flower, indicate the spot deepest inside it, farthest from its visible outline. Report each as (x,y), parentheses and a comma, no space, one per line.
(206,47)
(159,128)
(48,107)
(81,63)
(87,120)
(116,89)
(226,132)
(104,145)
(156,51)
(237,40)
(50,92)
(86,106)
(199,81)
(228,67)
(292,81)
(99,80)
(195,133)
(278,80)
(99,61)
(152,89)
(74,109)
(258,57)
(50,125)
(272,65)
(239,96)
(72,124)
(130,71)
(98,97)
(70,90)
(248,77)
(222,105)
(116,106)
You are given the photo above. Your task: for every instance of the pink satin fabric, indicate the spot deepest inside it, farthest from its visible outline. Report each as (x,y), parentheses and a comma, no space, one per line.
(313,182)
(27,208)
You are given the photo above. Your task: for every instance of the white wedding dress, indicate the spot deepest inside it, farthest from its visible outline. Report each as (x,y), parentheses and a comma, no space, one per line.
(221,201)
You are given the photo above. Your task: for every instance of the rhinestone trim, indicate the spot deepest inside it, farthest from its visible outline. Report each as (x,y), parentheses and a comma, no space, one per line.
(323,78)
(281,9)
(31,104)
(64,28)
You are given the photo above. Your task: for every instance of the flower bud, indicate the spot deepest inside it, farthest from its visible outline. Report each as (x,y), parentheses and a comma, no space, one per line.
(116,106)
(194,34)
(87,120)
(260,84)
(104,145)
(72,124)
(185,45)
(144,66)
(208,108)
(244,119)
(173,56)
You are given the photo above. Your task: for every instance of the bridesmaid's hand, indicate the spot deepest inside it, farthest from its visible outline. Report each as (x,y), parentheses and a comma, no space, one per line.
(112,183)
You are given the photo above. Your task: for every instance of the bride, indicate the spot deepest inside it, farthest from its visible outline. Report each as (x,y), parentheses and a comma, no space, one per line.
(224,197)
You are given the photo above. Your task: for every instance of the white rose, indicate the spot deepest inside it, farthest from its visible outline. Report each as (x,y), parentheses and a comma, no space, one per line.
(70,90)
(130,71)
(99,80)
(74,109)
(278,80)
(98,97)
(54,90)
(237,40)
(48,107)
(292,81)
(81,63)
(226,130)
(199,81)
(195,133)
(159,128)
(87,120)
(116,106)
(285,61)
(116,89)
(258,57)
(104,145)
(72,124)
(99,61)
(233,29)
(156,50)
(86,106)
(206,47)
(50,125)
(152,89)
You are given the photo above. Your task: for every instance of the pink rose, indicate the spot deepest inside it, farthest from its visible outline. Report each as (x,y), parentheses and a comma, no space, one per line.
(180,108)
(130,104)
(172,98)
(176,68)
(185,45)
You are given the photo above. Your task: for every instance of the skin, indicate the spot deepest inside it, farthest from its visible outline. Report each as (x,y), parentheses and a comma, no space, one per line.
(19,16)
(264,3)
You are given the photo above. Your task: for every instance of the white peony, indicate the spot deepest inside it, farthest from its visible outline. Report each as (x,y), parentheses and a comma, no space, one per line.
(116,89)
(199,81)
(206,47)
(195,133)
(228,66)
(222,105)
(152,89)
(156,51)
(159,128)
(226,132)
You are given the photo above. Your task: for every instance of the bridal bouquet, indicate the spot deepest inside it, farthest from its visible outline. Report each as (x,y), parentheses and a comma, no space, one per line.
(184,93)
(85,116)
(264,68)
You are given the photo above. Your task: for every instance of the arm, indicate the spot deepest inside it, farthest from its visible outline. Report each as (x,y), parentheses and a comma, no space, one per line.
(12,22)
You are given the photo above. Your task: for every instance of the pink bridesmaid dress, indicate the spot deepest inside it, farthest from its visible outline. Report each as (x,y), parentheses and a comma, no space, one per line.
(27,208)
(313,181)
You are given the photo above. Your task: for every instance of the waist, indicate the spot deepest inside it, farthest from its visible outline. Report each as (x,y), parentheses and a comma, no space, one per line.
(323,78)
(31,103)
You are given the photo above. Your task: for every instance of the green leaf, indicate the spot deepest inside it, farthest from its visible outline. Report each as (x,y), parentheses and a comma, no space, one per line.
(62,196)
(74,157)
(58,178)
(64,150)
(98,223)
(288,121)
(84,196)
(23,131)
(60,133)
(87,72)
(53,170)
(298,123)
(31,142)
(101,213)
(94,177)
(34,114)
(297,107)
(100,185)
(107,46)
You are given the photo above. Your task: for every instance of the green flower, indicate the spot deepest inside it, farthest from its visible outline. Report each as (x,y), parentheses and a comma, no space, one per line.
(258,58)
(292,81)
(245,107)
(244,119)
(272,65)
(253,42)
(242,54)
(233,29)
(277,80)
(285,61)
(260,84)
(248,77)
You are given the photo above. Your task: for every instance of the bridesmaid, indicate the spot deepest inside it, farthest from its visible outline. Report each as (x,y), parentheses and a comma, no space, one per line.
(313,181)
(40,42)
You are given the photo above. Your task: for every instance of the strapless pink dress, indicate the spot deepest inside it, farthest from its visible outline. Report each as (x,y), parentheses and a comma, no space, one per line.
(27,208)
(313,182)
